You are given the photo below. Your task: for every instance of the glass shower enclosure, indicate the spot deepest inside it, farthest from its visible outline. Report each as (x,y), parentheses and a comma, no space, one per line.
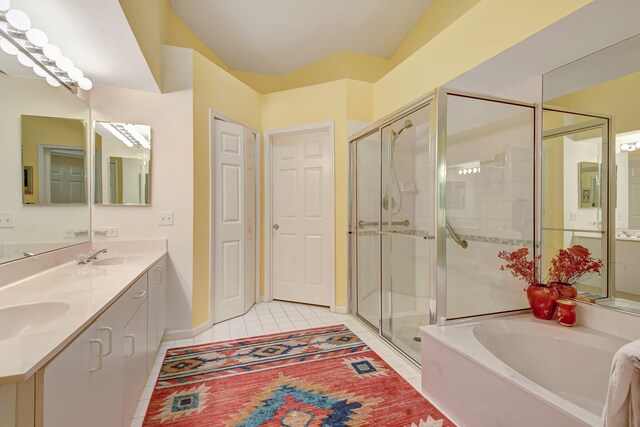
(436,191)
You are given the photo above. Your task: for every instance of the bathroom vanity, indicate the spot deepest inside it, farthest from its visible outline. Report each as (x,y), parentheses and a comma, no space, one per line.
(82,338)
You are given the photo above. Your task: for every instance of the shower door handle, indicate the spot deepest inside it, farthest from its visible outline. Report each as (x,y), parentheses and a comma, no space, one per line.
(276,226)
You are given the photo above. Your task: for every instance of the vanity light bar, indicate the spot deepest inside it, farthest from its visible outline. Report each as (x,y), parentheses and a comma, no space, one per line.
(32,48)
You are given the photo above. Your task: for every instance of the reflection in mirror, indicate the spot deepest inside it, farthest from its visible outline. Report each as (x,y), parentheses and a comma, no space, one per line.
(606,83)
(573,149)
(43,180)
(122,163)
(54,161)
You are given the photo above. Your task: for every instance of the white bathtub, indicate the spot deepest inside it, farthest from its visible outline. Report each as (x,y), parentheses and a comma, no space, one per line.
(518,371)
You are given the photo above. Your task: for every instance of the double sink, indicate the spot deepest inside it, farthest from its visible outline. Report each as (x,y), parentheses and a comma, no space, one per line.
(26,318)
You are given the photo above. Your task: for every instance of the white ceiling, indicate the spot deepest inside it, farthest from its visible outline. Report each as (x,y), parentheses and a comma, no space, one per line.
(95,35)
(279,36)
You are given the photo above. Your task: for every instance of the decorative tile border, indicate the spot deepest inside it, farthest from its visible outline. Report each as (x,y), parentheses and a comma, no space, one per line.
(496,240)
(468,237)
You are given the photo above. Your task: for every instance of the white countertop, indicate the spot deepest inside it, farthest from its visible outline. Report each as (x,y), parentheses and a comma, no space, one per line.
(87,294)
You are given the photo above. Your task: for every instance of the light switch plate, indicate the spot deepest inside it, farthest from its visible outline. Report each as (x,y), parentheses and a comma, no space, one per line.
(573,215)
(74,232)
(6,220)
(165,218)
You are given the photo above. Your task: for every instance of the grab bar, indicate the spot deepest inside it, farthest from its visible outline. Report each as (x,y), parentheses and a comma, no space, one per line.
(463,243)
(362,223)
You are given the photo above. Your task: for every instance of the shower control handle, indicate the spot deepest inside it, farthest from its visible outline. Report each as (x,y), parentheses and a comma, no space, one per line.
(276,226)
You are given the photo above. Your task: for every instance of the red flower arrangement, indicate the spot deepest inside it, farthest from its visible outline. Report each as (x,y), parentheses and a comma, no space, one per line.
(572,264)
(520,266)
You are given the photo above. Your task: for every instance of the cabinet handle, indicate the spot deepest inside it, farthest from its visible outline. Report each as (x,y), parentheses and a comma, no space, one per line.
(161,270)
(141,294)
(106,328)
(133,344)
(100,346)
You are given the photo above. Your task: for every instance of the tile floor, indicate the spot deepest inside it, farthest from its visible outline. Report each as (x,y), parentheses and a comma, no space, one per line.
(278,316)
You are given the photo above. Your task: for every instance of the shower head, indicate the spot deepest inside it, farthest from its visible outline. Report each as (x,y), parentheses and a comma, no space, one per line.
(407,124)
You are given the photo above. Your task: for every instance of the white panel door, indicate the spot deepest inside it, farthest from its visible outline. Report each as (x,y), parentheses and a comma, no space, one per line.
(229,221)
(301,206)
(250,221)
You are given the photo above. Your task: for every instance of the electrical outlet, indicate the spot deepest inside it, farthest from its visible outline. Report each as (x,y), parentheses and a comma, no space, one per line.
(572,215)
(6,220)
(165,218)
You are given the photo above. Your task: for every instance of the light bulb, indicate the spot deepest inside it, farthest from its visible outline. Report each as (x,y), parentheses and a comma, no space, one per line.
(625,147)
(53,82)
(40,71)
(460,172)
(64,63)
(475,170)
(637,144)
(85,84)
(18,19)
(52,52)
(75,73)
(37,37)
(25,60)
(5,5)
(8,47)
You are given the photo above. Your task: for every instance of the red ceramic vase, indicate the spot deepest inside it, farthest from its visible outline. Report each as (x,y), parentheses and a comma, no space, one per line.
(542,300)
(566,312)
(565,290)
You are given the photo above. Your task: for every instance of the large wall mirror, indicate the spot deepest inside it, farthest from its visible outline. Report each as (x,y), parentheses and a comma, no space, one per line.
(591,169)
(122,163)
(43,164)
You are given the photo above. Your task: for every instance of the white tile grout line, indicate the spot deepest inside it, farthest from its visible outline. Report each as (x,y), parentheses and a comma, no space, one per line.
(275,317)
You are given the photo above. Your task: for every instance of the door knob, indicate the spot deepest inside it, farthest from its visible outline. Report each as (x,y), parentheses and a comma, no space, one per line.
(276,226)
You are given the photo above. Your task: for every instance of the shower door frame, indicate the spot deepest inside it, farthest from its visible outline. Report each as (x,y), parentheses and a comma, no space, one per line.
(439,316)
(430,99)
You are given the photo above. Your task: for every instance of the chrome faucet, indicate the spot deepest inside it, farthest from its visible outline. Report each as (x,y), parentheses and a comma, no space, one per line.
(85,259)
(94,255)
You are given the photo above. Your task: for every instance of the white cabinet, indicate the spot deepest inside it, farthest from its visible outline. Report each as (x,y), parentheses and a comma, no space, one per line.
(135,357)
(156,309)
(98,378)
(67,381)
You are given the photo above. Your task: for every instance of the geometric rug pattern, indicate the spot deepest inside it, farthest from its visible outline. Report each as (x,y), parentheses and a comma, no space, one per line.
(321,377)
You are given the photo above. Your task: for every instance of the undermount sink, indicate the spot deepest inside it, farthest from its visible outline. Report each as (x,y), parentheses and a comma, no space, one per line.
(22,319)
(118,260)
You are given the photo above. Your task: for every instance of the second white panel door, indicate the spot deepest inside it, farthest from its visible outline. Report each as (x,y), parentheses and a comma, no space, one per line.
(302,212)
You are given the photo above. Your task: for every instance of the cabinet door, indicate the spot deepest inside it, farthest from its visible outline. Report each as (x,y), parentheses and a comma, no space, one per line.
(135,361)
(156,307)
(108,382)
(68,380)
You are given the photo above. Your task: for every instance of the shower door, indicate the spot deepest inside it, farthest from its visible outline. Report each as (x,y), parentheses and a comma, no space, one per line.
(407,228)
(367,225)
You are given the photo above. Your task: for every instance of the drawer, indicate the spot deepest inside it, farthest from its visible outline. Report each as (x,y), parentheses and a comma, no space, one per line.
(132,299)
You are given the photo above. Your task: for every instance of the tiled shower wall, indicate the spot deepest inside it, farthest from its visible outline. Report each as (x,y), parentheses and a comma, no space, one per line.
(493,208)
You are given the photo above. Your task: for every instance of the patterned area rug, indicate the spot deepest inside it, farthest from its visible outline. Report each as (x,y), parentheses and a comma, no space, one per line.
(324,377)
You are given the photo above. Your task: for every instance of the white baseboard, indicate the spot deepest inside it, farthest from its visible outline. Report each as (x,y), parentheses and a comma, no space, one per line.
(179,334)
(341,310)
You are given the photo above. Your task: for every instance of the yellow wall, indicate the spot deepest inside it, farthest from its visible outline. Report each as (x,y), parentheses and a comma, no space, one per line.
(215,89)
(439,15)
(37,130)
(148,20)
(338,102)
(487,29)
